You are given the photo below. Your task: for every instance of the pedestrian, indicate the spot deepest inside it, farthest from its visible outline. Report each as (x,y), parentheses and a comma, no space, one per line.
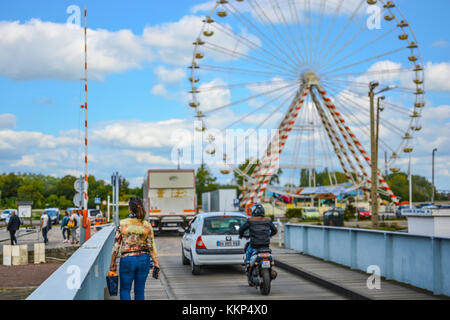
(45,226)
(135,242)
(13,226)
(65,228)
(73,224)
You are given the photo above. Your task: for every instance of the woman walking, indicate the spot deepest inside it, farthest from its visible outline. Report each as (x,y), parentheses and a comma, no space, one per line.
(136,245)
(65,228)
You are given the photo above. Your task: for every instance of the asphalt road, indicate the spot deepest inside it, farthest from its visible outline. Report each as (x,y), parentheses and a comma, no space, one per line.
(228,282)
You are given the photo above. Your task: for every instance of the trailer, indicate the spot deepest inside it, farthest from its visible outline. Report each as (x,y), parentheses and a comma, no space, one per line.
(170,199)
(222,200)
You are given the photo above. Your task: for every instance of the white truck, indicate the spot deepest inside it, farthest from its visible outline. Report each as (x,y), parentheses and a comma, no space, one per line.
(170,199)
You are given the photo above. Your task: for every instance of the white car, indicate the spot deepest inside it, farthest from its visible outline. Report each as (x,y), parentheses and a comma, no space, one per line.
(213,239)
(6,214)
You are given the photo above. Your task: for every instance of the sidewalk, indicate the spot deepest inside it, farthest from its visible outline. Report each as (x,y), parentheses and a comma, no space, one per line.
(54,237)
(350,282)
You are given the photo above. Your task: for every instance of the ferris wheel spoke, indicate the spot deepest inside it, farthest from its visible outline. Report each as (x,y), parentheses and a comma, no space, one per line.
(265,106)
(399,109)
(269,42)
(241,71)
(353,16)
(327,153)
(335,140)
(266,93)
(247,85)
(277,9)
(274,31)
(252,60)
(323,5)
(365,109)
(368,73)
(357,120)
(298,26)
(350,101)
(361,48)
(364,61)
(329,31)
(265,120)
(250,44)
(364,85)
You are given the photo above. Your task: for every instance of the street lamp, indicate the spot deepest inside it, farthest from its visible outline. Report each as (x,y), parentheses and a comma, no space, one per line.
(432,179)
(374,135)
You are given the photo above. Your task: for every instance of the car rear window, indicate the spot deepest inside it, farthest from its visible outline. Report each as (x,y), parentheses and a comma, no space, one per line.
(94,213)
(223,225)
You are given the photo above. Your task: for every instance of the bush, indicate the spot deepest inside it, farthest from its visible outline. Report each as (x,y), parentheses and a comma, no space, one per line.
(349,212)
(294,213)
(271,216)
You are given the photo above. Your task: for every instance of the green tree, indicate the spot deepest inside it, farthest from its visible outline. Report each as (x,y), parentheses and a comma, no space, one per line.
(205,182)
(32,191)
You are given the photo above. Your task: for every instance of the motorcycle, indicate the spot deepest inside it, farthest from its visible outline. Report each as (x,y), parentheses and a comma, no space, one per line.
(260,271)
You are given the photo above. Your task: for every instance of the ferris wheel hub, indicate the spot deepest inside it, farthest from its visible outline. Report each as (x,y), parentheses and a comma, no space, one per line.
(310,78)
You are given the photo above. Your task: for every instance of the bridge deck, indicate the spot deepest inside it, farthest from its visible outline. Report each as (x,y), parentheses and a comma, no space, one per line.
(352,280)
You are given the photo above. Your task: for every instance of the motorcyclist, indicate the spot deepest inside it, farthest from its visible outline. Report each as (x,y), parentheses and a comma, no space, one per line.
(261,230)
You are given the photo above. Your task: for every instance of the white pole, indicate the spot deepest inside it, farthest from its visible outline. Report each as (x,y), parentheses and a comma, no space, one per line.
(108,209)
(410,183)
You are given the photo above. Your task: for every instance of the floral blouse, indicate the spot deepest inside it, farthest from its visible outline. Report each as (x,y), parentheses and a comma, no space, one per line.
(133,237)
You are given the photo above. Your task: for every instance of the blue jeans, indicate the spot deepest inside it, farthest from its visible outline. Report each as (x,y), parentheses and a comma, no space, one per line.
(134,269)
(44,234)
(250,252)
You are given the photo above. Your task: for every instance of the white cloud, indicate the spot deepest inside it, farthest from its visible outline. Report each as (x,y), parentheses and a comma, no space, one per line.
(160,90)
(440,44)
(173,40)
(170,75)
(437,76)
(57,51)
(7,121)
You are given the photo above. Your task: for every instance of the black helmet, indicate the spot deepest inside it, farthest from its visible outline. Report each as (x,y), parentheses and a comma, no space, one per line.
(258,210)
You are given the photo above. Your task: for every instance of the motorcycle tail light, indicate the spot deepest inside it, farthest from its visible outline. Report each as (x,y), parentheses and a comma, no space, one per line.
(264,255)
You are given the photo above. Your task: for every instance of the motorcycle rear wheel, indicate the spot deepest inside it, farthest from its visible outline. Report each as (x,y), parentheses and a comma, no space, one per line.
(266,282)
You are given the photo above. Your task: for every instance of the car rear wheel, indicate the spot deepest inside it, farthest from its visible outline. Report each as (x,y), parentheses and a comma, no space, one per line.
(184,260)
(195,268)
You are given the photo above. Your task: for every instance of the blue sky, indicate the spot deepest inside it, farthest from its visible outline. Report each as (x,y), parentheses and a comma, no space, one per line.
(124,95)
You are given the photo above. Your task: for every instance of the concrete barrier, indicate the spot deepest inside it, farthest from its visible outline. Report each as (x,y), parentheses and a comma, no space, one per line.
(421,261)
(83,275)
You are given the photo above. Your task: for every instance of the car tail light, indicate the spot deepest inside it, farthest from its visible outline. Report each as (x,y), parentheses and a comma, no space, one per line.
(200,244)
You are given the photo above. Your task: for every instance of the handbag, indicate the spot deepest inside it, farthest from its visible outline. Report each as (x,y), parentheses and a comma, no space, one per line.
(112,281)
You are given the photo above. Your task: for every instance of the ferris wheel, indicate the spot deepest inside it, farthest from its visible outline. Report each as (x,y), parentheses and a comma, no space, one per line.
(304,68)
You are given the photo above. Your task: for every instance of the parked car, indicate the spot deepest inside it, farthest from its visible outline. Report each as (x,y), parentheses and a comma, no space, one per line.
(213,239)
(53,214)
(399,213)
(334,218)
(363,213)
(6,215)
(430,207)
(311,213)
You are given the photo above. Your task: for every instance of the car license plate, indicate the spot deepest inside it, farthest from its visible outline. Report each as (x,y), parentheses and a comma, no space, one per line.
(228,243)
(172,225)
(266,264)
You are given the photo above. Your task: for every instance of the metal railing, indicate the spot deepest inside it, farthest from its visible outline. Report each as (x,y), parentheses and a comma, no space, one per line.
(83,275)
(422,261)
